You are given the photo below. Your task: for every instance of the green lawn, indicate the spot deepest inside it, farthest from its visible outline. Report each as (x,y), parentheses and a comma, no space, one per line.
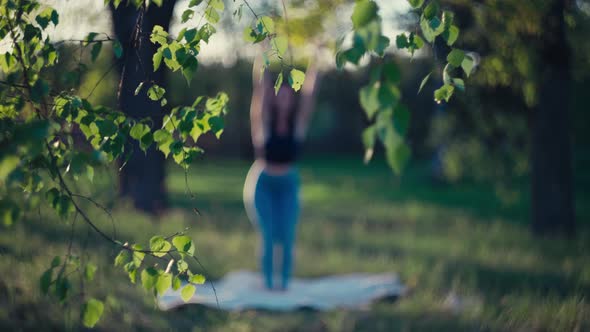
(468,258)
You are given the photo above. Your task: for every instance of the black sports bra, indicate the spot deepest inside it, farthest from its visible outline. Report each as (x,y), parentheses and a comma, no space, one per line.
(281,149)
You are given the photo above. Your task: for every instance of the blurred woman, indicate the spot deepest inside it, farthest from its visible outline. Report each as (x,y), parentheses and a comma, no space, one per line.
(271,192)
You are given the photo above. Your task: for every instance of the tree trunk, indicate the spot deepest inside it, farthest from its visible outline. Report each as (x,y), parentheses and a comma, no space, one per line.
(552,173)
(142,178)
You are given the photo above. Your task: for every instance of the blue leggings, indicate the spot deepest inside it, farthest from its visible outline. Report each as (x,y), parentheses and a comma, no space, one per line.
(272,202)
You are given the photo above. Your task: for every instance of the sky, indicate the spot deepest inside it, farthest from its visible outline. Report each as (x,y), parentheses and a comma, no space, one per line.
(79,17)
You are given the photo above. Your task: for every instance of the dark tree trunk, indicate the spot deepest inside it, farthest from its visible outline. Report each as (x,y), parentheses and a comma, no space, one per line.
(142,179)
(552,173)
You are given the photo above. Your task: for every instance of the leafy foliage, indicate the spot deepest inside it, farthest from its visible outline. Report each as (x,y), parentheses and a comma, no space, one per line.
(49,138)
(381,98)
(52,137)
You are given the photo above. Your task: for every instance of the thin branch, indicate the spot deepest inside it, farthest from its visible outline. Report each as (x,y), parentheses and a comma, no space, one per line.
(210,282)
(287,30)
(103,208)
(250,8)
(101,79)
(15,85)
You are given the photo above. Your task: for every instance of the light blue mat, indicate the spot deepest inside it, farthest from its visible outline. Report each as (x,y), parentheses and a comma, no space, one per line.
(243,290)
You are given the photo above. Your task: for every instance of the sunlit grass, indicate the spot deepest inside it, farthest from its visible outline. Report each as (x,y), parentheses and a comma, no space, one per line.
(468,259)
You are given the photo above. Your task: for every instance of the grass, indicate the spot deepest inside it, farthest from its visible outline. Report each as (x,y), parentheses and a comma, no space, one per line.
(468,259)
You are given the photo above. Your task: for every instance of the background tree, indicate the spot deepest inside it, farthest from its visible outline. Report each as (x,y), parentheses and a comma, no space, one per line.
(504,139)
(552,170)
(142,175)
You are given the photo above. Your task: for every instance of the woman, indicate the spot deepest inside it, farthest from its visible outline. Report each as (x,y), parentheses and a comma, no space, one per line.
(271,192)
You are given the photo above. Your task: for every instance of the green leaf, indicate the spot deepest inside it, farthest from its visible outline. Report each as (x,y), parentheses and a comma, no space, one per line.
(138,89)
(137,255)
(190,35)
(62,287)
(296,79)
(427,31)
(436,25)
(184,244)
(91,312)
(401,119)
(447,19)
(278,83)
(364,12)
(7,62)
(56,261)
(455,57)
(187,292)
(182,266)
(123,258)
(131,270)
(149,278)
(382,45)
(106,128)
(212,15)
(451,34)
(417,43)
(369,137)
(398,156)
(156,92)
(138,130)
(250,35)
(176,283)
(216,123)
(280,45)
(416,3)
(401,41)
(162,135)
(164,283)
(89,272)
(369,99)
(205,32)
(45,280)
(159,246)
(65,206)
(187,15)
(389,94)
(7,165)
(459,84)
(431,9)
(444,93)
(117,49)
(468,64)
(158,2)
(158,35)
(217,4)
(194,3)
(157,58)
(266,25)
(198,279)
(145,141)
(391,72)
(90,173)
(95,50)
(189,68)
(424,81)
(47,15)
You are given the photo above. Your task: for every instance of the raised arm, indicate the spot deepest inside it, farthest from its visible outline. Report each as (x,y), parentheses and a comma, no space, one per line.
(308,96)
(259,95)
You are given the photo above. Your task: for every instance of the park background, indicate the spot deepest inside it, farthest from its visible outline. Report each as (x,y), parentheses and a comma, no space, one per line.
(455,225)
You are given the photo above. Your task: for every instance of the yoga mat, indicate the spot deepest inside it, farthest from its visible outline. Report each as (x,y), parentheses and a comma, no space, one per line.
(241,290)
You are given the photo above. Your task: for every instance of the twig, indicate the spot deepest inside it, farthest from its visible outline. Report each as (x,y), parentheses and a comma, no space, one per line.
(101,79)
